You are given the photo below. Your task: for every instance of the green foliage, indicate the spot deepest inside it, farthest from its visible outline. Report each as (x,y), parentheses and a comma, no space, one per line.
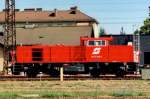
(136,31)
(145,30)
(102,31)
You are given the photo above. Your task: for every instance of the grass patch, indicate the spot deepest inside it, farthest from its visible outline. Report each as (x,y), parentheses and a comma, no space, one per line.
(141,94)
(54,94)
(56,89)
(8,94)
(127,93)
(70,94)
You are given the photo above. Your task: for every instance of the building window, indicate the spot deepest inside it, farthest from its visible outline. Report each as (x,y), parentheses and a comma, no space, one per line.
(83,24)
(61,24)
(29,26)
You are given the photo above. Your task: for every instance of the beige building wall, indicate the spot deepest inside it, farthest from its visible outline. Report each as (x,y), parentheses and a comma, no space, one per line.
(1,59)
(52,35)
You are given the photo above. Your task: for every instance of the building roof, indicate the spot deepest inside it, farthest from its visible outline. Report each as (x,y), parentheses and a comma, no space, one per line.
(67,35)
(49,16)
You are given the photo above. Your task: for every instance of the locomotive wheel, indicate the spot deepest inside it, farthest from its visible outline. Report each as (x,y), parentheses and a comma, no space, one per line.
(31,73)
(16,73)
(54,73)
(16,69)
(120,72)
(95,72)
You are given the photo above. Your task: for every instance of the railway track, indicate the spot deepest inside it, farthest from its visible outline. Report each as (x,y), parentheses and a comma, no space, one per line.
(69,78)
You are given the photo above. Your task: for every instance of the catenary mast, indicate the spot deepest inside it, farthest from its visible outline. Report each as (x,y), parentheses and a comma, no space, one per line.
(9,33)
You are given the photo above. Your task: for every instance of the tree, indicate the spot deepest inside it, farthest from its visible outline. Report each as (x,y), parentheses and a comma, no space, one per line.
(122,32)
(136,31)
(102,31)
(145,30)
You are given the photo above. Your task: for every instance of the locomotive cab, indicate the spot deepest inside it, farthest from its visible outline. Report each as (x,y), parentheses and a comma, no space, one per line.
(102,41)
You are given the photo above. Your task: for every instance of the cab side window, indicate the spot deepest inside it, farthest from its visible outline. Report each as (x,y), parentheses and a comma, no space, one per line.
(91,43)
(97,43)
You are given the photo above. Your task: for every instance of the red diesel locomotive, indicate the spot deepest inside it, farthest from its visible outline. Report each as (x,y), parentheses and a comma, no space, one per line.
(93,56)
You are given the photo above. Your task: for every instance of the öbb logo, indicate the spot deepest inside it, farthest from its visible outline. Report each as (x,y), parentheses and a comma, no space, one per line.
(96,51)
